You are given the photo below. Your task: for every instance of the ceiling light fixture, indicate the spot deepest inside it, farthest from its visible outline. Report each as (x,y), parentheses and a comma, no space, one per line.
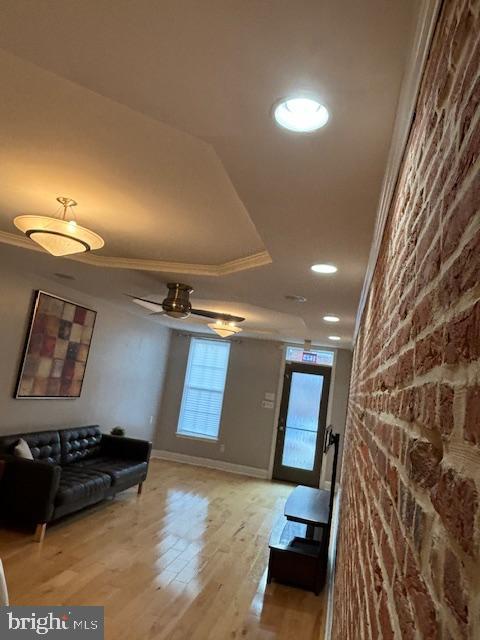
(324,268)
(224,329)
(64,276)
(60,235)
(301,115)
(334,338)
(293,298)
(331,318)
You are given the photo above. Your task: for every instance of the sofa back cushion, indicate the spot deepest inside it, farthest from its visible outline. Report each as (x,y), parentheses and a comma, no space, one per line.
(44,445)
(80,443)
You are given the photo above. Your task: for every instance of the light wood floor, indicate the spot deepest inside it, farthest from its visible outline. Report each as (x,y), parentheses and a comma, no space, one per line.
(185,561)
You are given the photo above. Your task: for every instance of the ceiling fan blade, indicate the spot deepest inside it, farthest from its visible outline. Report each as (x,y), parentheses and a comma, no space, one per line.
(216,315)
(146,304)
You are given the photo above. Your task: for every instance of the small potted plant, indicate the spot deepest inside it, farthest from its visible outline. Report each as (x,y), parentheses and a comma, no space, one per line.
(117,431)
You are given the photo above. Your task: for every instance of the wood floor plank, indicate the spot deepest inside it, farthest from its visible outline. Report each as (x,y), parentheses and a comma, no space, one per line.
(184,561)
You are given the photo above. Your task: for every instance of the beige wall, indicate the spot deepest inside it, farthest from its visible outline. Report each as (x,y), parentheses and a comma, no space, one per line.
(125,370)
(337,413)
(247,429)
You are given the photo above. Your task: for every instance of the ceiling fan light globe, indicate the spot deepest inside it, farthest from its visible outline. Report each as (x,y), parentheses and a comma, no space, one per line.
(224,329)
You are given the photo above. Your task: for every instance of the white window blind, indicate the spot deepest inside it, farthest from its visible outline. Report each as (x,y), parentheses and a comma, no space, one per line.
(203,389)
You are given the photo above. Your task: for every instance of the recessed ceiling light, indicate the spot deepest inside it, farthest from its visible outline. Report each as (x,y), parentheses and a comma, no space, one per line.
(331,318)
(293,298)
(64,276)
(324,268)
(301,114)
(335,338)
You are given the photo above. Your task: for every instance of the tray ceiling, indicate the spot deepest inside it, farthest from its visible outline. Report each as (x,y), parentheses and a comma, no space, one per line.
(156,117)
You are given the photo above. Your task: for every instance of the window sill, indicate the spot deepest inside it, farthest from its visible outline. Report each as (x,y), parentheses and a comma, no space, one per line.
(192,436)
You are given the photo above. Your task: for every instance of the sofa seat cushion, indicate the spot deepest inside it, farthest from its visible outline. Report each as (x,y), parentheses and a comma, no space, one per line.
(79,484)
(120,470)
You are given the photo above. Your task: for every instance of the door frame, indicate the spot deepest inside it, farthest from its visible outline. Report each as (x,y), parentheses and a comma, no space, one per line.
(301,476)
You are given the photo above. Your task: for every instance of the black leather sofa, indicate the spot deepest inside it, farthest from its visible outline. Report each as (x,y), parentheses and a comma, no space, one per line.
(71,469)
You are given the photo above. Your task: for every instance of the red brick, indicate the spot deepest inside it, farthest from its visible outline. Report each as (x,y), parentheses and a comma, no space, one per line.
(469,112)
(429,352)
(466,81)
(388,559)
(455,589)
(460,35)
(384,619)
(462,337)
(407,405)
(466,161)
(407,508)
(404,373)
(419,527)
(427,267)
(447,395)
(472,415)
(402,337)
(404,612)
(374,631)
(392,479)
(398,538)
(422,315)
(455,498)
(426,405)
(422,601)
(423,463)
(464,273)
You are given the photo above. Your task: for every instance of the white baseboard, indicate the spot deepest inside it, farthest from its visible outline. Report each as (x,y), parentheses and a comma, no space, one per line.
(332,557)
(220,465)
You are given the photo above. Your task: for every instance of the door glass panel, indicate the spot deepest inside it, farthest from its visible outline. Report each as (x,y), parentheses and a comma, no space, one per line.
(302,421)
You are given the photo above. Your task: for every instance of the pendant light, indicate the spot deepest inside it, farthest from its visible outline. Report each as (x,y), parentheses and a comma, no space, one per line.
(60,235)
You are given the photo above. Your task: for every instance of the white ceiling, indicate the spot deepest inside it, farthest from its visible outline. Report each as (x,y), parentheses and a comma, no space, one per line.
(156,117)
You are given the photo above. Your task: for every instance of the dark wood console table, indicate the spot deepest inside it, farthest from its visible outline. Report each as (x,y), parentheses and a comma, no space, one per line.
(299,540)
(310,507)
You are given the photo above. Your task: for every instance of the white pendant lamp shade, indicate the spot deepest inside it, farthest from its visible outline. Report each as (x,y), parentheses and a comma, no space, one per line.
(59,236)
(224,329)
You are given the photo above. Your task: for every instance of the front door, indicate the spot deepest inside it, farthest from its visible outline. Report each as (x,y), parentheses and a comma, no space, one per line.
(301,425)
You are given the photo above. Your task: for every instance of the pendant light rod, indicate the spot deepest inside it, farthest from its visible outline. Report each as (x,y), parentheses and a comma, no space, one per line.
(66,202)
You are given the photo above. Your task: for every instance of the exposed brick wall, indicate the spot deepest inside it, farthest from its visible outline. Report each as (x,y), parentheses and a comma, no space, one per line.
(408,563)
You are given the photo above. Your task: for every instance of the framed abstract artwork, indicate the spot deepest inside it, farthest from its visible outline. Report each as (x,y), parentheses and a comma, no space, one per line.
(56,349)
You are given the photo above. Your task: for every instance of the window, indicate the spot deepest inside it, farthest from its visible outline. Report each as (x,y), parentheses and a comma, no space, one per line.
(203,389)
(314,356)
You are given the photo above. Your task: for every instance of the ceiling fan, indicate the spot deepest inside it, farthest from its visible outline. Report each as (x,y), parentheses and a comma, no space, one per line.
(177,305)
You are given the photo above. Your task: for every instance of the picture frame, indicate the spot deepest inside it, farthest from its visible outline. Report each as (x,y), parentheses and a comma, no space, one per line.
(56,349)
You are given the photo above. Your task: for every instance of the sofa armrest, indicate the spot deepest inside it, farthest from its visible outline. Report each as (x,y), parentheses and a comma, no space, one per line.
(28,489)
(128,448)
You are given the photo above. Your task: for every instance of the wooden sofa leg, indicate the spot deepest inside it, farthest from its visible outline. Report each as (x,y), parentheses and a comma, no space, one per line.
(139,490)
(40,532)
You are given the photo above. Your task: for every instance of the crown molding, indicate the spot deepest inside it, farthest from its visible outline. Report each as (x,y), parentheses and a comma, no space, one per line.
(259,259)
(422,39)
